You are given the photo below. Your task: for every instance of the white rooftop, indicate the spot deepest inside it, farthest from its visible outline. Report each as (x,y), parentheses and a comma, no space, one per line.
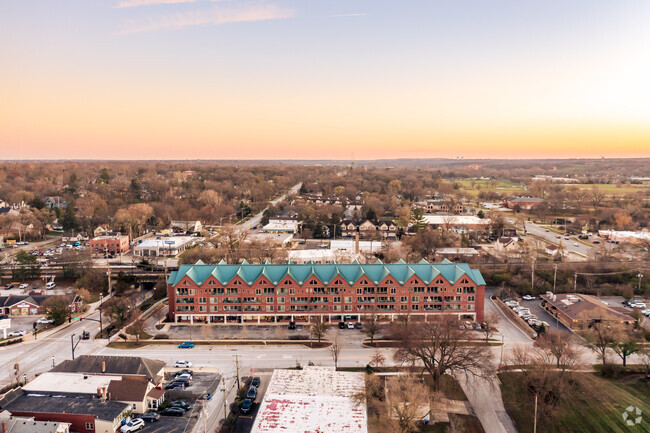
(69,382)
(460,251)
(364,246)
(317,255)
(280,225)
(614,234)
(455,220)
(315,399)
(167,241)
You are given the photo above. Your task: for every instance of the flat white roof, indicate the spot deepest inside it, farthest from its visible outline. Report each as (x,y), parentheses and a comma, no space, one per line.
(624,234)
(282,226)
(69,382)
(312,254)
(461,251)
(371,246)
(315,399)
(167,242)
(455,220)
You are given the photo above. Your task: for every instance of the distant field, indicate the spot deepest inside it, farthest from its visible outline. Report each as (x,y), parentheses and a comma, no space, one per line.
(609,188)
(596,408)
(473,187)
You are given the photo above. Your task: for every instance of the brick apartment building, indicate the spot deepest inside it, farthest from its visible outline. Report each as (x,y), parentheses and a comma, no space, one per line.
(222,293)
(110,244)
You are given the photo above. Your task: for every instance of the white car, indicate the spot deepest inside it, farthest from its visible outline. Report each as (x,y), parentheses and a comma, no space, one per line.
(637,304)
(134,425)
(646,313)
(528,298)
(23,286)
(50,285)
(44,321)
(182,364)
(16,334)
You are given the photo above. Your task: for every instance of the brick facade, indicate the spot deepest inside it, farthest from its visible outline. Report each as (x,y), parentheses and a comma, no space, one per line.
(222,293)
(113,245)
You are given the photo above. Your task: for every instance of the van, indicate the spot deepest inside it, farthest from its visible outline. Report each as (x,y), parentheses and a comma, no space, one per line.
(50,285)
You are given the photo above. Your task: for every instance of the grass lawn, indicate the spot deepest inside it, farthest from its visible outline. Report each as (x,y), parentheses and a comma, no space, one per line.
(473,187)
(596,405)
(610,188)
(463,423)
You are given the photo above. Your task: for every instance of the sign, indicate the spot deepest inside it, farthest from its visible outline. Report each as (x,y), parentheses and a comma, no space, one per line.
(10,242)
(169,242)
(5,323)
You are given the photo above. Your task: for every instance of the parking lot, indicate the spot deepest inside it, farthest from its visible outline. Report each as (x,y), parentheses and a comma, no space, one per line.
(202,383)
(238,332)
(244,423)
(174,424)
(536,309)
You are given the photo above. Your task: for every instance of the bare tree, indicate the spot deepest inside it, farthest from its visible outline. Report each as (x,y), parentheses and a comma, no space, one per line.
(335,350)
(489,326)
(644,358)
(372,327)
(137,325)
(624,344)
(318,328)
(600,340)
(407,400)
(377,359)
(557,346)
(442,348)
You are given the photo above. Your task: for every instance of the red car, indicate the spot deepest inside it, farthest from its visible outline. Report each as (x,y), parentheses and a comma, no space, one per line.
(9,286)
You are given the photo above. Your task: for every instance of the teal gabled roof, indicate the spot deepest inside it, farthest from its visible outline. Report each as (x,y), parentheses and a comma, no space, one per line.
(375,272)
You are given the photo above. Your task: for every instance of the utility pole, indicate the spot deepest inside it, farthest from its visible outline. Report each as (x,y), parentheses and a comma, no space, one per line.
(532,275)
(205,425)
(535,420)
(237,370)
(575,282)
(554,276)
(639,276)
(225,400)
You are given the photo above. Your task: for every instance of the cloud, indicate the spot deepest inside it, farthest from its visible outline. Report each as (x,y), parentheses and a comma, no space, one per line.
(135,3)
(215,16)
(361,14)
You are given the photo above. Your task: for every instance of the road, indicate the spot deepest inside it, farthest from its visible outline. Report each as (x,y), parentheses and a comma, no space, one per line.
(254,221)
(572,245)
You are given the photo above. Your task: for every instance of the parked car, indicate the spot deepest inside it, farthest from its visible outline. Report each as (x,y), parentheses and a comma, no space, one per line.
(247,405)
(528,298)
(16,334)
(50,285)
(44,321)
(350,325)
(292,325)
(186,345)
(341,325)
(256,382)
(149,417)
(184,371)
(23,286)
(180,403)
(182,363)
(8,286)
(176,385)
(358,325)
(173,411)
(252,393)
(184,378)
(134,425)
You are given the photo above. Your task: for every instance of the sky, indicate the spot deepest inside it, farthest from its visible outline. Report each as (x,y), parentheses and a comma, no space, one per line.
(324,79)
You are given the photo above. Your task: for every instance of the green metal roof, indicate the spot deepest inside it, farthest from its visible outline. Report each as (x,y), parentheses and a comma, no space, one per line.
(376,272)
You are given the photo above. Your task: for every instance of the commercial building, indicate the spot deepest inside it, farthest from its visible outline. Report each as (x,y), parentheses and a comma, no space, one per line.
(457,222)
(314,399)
(579,311)
(522,202)
(220,293)
(165,246)
(186,226)
(109,245)
(282,225)
(10,424)
(125,366)
(85,414)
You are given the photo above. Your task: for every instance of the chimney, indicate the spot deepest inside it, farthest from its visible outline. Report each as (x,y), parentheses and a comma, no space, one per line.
(103,366)
(356,243)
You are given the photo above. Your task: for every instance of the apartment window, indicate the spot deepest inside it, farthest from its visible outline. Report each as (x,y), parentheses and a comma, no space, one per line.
(236,283)
(403,307)
(337,299)
(90,426)
(348,308)
(470,298)
(337,308)
(203,308)
(404,299)
(348,299)
(415,299)
(280,308)
(415,307)
(214,308)
(269,300)
(459,290)
(281,300)
(203,300)
(393,291)
(292,291)
(359,291)
(470,307)
(269,308)
(258,291)
(191,291)
(214,300)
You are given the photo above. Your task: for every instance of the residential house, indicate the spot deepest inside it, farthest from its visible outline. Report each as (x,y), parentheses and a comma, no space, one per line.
(127,366)
(55,202)
(186,227)
(138,392)
(368,229)
(10,424)
(32,305)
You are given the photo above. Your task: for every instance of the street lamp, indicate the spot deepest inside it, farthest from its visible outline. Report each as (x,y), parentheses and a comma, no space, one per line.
(639,276)
(52,361)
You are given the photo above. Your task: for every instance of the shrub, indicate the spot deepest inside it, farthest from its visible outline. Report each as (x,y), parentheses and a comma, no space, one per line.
(161,337)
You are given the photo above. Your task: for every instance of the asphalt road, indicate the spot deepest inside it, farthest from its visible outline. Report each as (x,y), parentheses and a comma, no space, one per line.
(258,217)
(552,237)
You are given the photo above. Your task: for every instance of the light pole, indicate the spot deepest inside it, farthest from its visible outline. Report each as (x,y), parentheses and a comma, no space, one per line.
(101,328)
(639,276)
(52,361)
(554,276)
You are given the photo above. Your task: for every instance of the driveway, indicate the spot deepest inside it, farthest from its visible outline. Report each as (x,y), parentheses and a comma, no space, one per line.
(244,423)
(509,331)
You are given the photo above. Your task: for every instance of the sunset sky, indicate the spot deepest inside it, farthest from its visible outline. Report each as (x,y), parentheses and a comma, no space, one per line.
(335,79)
